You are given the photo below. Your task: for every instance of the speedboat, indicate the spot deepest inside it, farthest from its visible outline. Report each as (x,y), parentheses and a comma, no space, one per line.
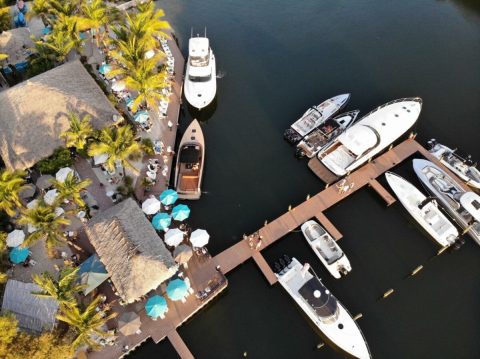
(326,249)
(462,167)
(323,309)
(424,210)
(370,135)
(190,163)
(324,134)
(200,78)
(314,117)
(463,206)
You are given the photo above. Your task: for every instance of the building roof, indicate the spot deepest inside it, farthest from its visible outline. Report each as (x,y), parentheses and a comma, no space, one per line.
(132,252)
(34,314)
(14,43)
(34,112)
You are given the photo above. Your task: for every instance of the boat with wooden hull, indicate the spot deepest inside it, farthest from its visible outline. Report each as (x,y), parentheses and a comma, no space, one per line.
(424,210)
(460,204)
(314,117)
(323,135)
(190,163)
(464,168)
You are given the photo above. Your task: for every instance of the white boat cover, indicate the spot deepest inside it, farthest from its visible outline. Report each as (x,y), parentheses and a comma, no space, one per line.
(471,202)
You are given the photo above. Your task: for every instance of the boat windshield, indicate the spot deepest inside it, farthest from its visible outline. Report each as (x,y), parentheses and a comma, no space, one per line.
(199,61)
(200,78)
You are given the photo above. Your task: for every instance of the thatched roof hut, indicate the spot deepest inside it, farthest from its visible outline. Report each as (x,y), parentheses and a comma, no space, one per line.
(34,112)
(34,314)
(132,252)
(14,43)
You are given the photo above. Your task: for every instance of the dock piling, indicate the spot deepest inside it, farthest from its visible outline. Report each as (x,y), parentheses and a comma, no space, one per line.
(443,249)
(388,293)
(320,345)
(308,197)
(416,270)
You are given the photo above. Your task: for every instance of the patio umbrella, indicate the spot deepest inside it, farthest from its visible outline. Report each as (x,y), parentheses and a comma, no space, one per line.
(151,206)
(44,181)
(168,197)
(180,212)
(177,289)
(32,204)
(141,117)
(28,191)
(50,196)
(161,221)
(199,238)
(104,69)
(156,306)
(18,255)
(15,238)
(92,273)
(182,254)
(118,86)
(62,174)
(129,323)
(59,211)
(174,237)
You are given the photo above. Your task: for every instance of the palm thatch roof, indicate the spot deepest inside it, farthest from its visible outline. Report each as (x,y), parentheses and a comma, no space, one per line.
(34,112)
(14,43)
(132,252)
(34,314)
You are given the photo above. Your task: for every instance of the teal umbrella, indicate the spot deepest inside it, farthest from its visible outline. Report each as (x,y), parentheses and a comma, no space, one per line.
(18,255)
(161,221)
(156,306)
(105,69)
(168,197)
(177,289)
(92,273)
(141,117)
(180,212)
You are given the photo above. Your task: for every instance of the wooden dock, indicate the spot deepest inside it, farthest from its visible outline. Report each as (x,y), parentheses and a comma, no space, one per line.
(321,171)
(382,192)
(179,345)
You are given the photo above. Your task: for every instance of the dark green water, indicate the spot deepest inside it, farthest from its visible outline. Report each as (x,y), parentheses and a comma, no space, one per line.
(279,57)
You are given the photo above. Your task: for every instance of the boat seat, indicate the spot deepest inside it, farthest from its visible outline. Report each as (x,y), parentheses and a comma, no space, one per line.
(189,176)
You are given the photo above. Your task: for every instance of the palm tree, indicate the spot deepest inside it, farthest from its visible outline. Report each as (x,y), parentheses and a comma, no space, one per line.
(64,7)
(47,223)
(59,44)
(11,184)
(95,15)
(70,189)
(151,19)
(63,289)
(119,144)
(80,131)
(85,323)
(40,8)
(68,26)
(3,57)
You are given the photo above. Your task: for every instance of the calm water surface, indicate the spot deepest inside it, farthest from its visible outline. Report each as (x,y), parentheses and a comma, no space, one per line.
(278,58)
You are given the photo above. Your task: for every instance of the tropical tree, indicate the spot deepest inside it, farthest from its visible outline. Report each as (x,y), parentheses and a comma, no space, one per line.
(42,59)
(69,28)
(11,184)
(150,20)
(85,323)
(3,258)
(95,15)
(63,289)
(40,8)
(80,131)
(64,7)
(3,57)
(119,144)
(71,188)
(47,223)
(59,45)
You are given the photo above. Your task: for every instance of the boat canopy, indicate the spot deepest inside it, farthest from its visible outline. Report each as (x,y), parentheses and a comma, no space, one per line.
(190,154)
(198,47)
(471,202)
(319,298)
(359,139)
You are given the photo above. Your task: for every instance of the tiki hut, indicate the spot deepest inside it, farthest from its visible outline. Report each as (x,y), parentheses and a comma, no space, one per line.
(128,246)
(34,112)
(14,43)
(34,314)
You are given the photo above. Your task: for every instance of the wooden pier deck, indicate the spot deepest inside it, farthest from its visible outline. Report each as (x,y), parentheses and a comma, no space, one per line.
(382,192)
(179,345)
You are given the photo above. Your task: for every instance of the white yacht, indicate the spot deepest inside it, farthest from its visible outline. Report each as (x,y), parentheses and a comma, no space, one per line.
(424,210)
(323,135)
(314,117)
(370,135)
(325,311)
(200,78)
(463,206)
(462,167)
(326,249)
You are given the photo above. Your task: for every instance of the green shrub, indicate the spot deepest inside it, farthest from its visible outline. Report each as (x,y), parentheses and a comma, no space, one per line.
(60,158)
(5,19)
(147,146)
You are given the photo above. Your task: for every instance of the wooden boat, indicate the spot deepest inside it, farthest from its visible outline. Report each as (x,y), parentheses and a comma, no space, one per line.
(190,162)
(323,135)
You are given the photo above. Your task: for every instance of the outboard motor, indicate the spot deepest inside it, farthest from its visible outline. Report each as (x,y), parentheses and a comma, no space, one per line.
(288,261)
(431,143)
(459,242)
(343,271)
(278,267)
(299,153)
(291,136)
(282,263)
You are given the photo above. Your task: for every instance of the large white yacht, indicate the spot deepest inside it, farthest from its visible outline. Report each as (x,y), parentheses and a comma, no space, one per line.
(325,311)
(462,205)
(370,135)
(424,210)
(326,249)
(200,78)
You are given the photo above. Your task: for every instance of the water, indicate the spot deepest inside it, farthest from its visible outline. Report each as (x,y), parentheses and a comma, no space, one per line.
(278,58)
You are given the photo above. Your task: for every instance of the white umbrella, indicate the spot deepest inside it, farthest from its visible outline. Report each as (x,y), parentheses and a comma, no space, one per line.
(118,86)
(174,237)
(15,238)
(62,174)
(199,238)
(32,204)
(59,211)
(149,54)
(50,196)
(99,159)
(151,206)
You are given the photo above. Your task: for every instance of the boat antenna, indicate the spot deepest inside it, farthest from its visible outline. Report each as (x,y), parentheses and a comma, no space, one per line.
(191,32)
(205,31)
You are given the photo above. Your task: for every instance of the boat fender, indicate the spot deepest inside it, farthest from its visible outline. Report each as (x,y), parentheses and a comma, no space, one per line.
(278,267)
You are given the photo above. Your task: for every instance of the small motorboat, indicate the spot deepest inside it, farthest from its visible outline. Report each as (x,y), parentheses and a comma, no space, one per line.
(324,134)
(314,117)
(462,167)
(326,249)
(323,309)
(190,163)
(424,210)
